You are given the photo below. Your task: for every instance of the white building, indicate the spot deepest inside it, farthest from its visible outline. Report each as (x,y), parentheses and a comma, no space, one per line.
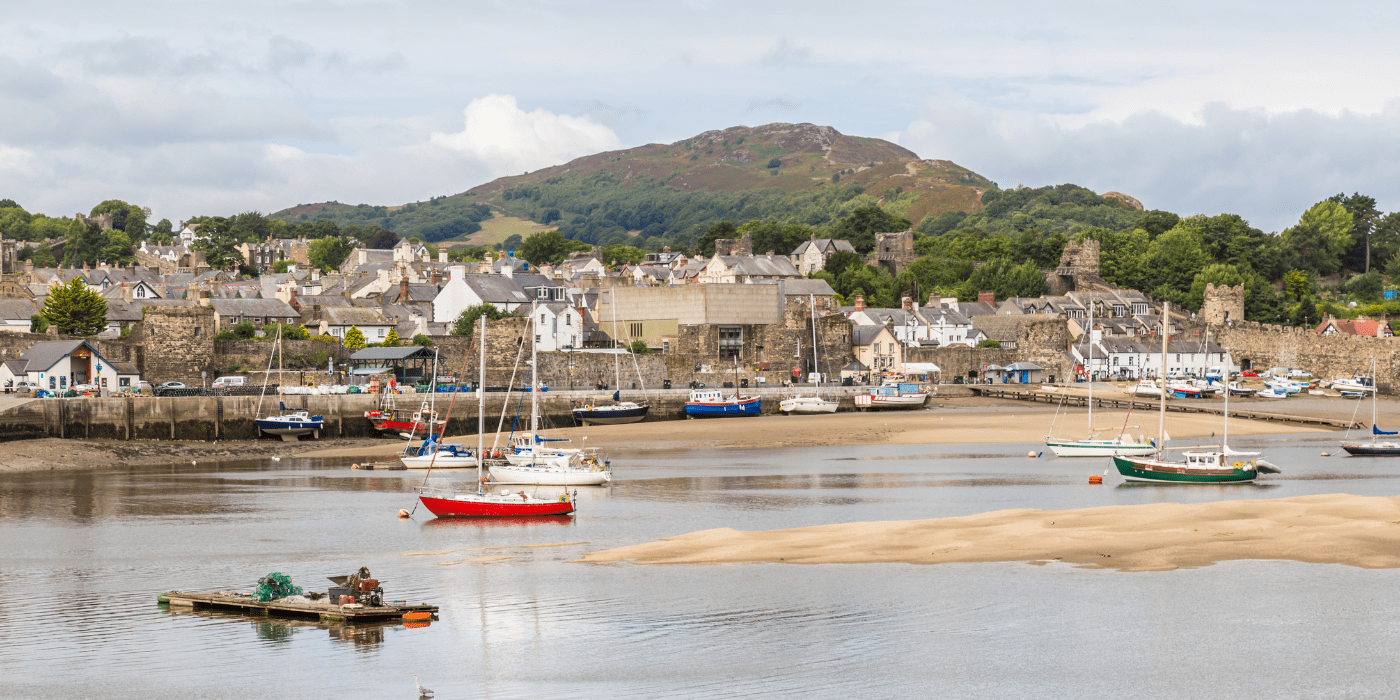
(57,366)
(558,326)
(463,291)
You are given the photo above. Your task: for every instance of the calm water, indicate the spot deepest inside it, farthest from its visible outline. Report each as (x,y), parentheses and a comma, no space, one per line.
(85,554)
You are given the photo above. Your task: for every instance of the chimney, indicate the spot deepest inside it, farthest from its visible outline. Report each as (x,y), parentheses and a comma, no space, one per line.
(315,274)
(906,303)
(457,271)
(29,270)
(859,303)
(126,292)
(988,295)
(403,290)
(508,269)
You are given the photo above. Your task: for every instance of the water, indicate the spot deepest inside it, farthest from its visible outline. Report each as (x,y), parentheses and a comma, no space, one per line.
(85,554)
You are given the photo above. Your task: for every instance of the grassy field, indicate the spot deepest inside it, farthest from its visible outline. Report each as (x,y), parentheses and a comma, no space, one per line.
(498,229)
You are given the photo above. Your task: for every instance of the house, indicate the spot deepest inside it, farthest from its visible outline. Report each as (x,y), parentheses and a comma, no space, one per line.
(15,314)
(812,255)
(463,291)
(229,312)
(558,326)
(336,321)
(1339,326)
(745,269)
(263,255)
(877,348)
(58,365)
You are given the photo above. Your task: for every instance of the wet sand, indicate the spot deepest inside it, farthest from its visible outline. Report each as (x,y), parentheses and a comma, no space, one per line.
(1327,529)
(60,453)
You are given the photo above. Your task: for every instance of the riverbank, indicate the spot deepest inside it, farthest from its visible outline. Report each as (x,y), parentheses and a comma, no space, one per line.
(69,454)
(1326,529)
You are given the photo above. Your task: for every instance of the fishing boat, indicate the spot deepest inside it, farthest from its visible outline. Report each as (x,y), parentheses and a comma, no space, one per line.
(1147,387)
(1356,385)
(815,403)
(712,403)
(1376,447)
(1196,466)
(1269,392)
(432,455)
(620,411)
(901,396)
(388,419)
(480,504)
(1238,389)
(1350,394)
(292,423)
(1092,446)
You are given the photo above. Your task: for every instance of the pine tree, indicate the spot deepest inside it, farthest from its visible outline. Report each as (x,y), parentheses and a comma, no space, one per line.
(76,310)
(392,340)
(354,338)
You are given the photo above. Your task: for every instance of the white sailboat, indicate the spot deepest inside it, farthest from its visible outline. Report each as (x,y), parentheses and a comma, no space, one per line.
(814,403)
(432,454)
(534,462)
(1092,446)
(620,411)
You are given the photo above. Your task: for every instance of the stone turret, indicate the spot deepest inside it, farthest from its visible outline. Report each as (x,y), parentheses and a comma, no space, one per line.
(1223,305)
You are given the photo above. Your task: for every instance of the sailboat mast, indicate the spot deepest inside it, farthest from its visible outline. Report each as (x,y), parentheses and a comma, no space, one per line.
(812,306)
(1091,367)
(1225,439)
(1162,418)
(617,373)
(1373,399)
(480,408)
(534,377)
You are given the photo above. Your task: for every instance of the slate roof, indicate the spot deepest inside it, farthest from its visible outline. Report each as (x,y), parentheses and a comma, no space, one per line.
(496,289)
(17,309)
(865,335)
(826,245)
(42,356)
(264,308)
(118,310)
(760,265)
(354,316)
(399,353)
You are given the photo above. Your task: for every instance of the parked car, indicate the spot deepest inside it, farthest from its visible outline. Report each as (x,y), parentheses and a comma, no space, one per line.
(222,382)
(172,385)
(32,386)
(1250,373)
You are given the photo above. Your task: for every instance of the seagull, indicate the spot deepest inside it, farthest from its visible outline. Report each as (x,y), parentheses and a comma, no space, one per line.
(422,692)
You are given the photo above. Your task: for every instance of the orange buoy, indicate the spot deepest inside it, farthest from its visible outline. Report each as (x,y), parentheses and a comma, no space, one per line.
(1096,480)
(403,513)
(417,616)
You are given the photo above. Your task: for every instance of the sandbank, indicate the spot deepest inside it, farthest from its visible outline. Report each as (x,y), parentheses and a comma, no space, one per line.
(1325,529)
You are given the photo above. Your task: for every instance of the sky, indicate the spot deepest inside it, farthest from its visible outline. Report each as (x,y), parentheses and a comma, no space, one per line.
(1254,108)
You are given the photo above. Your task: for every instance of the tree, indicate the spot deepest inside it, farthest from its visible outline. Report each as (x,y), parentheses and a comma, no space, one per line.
(42,256)
(218,242)
(841,261)
(8,203)
(863,223)
(422,341)
(381,240)
(1305,313)
(775,163)
(989,343)
(84,246)
(623,254)
(355,338)
(549,247)
(392,340)
(1322,236)
(466,322)
(1157,222)
(38,324)
(1367,287)
(163,233)
(780,238)
(280,266)
(75,309)
(1364,217)
(639,347)
(1171,264)
(328,253)
(118,250)
(512,242)
(1297,284)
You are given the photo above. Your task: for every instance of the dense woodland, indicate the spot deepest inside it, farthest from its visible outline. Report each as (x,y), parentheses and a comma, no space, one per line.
(1320,265)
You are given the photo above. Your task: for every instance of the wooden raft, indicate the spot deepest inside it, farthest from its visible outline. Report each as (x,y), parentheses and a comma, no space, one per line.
(324,611)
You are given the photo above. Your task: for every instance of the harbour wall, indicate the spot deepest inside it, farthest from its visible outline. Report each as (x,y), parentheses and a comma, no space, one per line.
(232,417)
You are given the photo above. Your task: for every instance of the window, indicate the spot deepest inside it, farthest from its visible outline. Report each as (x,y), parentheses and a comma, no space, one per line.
(541,318)
(1178,357)
(381,332)
(197,329)
(568,319)
(731,342)
(52,383)
(537,338)
(634,329)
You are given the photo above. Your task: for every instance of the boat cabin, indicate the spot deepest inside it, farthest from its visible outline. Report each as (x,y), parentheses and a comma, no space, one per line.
(706,396)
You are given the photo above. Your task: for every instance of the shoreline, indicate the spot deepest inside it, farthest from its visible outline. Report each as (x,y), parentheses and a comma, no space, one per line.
(1343,529)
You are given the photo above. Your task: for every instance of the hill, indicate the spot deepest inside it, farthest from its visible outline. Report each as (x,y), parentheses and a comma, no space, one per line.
(669,193)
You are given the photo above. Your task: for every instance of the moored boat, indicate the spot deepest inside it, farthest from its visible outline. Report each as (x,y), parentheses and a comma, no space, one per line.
(1376,447)
(712,403)
(807,404)
(902,396)
(616,414)
(292,425)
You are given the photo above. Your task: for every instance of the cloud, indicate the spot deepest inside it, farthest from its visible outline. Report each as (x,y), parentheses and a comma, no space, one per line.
(1265,166)
(778,103)
(785,52)
(510,140)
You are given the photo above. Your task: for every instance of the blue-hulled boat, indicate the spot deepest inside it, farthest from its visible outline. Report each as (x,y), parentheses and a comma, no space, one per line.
(711,403)
(292,425)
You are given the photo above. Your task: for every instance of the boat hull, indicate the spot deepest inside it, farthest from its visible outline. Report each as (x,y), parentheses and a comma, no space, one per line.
(724,409)
(903,402)
(494,506)
(807,404)
(548,476)
(1098,448)
(607,415)
(291,430)
(388,423)
(1381,449)
(442,462)
(1146,470)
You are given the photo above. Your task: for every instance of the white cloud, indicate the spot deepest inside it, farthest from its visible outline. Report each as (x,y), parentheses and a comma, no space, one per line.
(1265,166)
(509,140)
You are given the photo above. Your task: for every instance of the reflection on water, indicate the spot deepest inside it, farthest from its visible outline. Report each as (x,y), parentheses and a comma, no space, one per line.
(522,621)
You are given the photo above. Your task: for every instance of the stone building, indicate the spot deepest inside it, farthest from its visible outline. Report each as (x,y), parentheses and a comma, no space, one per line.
(177,343)
(893,251)
(1079,268)
(742,245)
(265,254)
(812,255)
(1223,305)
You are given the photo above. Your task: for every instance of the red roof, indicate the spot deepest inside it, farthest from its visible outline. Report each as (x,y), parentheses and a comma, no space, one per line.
(1368,328)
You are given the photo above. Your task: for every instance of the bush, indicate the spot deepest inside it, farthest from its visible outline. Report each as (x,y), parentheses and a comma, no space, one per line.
(38,324)
(989,343)
(639,347)
(422,341)
(775,163)
(242,330)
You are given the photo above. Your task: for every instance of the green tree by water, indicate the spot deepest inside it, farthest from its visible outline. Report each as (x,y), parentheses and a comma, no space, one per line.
(466,321)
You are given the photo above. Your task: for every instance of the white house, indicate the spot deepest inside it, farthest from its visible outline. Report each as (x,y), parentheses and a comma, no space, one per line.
(463,291)
(58,365)
(336,321)
(812,254)
(15,314)
(557,326)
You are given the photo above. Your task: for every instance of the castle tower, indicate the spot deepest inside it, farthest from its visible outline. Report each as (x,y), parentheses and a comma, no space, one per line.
(1223,304)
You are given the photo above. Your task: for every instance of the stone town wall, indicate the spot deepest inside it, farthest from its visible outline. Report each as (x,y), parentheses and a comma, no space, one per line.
(252,355)
(178,343)
(962,361)
(1222,304)
(1039,340)
(1261,346)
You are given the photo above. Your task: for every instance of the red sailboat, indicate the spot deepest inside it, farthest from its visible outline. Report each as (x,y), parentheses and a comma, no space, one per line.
(480,504)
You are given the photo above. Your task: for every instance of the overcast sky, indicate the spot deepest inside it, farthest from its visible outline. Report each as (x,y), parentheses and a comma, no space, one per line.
(195,107)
